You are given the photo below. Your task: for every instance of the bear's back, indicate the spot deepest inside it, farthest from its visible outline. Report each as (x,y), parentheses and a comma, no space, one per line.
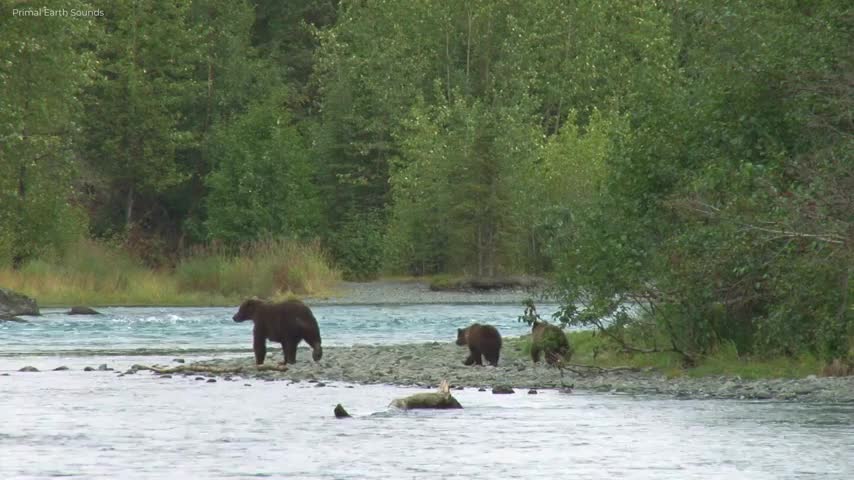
(287,319)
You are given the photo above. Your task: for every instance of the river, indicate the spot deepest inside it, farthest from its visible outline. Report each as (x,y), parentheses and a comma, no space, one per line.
(92,425)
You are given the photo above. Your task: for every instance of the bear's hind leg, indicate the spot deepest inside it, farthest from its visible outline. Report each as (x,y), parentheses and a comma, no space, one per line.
(291,350)
(474,357)
(535,353)
(492,359)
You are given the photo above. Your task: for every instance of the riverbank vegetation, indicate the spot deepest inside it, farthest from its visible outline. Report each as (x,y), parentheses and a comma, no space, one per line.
(682,168)
(91,273)
(595,350)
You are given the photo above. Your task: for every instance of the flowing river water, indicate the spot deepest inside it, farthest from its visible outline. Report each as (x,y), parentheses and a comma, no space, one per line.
(97,425)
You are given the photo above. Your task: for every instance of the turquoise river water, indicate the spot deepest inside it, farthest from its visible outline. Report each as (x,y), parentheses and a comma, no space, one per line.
(96,425)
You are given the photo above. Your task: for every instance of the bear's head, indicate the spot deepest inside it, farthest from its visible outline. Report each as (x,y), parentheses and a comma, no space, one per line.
(461,336)
(246,310)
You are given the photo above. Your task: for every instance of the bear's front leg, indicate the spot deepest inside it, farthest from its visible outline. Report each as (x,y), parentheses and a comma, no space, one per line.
(259,344)
(284,353)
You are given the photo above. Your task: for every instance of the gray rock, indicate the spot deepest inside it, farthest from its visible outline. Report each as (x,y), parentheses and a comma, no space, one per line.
(13,304)
(28,369)
(59,369)
(88,369)
(178,360)
(104,368)
(81,310)
(165,376)
(532,391)
(211,380)
(502,389)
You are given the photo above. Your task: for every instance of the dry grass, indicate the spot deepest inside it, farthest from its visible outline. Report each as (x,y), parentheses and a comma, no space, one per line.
(94,274)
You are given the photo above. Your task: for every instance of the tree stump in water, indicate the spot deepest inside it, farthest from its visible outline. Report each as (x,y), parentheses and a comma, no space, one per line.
(340,412)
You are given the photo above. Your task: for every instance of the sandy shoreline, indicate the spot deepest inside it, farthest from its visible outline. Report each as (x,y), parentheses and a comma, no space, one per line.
(427,364)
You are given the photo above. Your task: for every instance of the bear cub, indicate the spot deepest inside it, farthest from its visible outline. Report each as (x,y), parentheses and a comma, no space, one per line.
(550,340)
(287,323)
(483,340)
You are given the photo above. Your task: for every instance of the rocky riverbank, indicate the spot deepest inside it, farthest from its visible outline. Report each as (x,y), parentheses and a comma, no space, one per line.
(427,364)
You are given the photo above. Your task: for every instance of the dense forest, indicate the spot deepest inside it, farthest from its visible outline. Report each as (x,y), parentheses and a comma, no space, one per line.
(685,164)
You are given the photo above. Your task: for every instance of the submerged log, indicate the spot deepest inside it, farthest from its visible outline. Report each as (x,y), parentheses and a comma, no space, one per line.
(434,400)
(81,310)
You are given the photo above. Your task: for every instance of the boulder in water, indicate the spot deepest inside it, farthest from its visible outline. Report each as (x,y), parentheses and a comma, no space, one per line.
(13,304)
(29,368)
(81,310)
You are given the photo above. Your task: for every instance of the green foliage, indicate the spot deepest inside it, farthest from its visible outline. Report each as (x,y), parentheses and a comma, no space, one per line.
(723,217)
(43,70)
(262,182)
(683,169)
(358,245)
(134,126)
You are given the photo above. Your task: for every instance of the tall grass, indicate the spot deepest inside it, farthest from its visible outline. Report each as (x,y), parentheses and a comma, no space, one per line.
(92,273)
(270,269)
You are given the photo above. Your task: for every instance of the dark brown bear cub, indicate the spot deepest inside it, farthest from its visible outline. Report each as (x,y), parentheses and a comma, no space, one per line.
(482,340)
(550,340)
(287,323)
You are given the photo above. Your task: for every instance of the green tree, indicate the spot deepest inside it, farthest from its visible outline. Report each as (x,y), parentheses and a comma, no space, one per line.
(136,108)
(45,65)
(261,185)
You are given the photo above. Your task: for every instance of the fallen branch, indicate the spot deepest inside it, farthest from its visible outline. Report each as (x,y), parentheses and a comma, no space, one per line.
(195,368)
(583,370)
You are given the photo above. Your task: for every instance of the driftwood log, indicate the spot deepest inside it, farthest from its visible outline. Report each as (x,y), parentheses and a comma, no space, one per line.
(437,400)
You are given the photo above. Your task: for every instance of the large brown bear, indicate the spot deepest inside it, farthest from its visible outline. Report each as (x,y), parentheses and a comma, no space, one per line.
(483,340)
(550,340)
(287,323)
